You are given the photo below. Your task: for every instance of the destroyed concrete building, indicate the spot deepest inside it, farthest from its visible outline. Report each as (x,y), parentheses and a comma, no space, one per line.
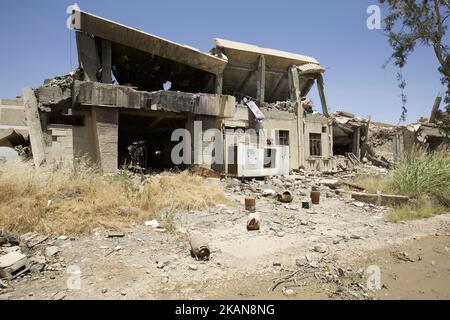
(13,129)
(135,89)
(428,136)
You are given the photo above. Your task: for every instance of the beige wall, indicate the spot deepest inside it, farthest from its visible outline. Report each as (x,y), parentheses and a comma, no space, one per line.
(314,124)
(59,144)
(84,141)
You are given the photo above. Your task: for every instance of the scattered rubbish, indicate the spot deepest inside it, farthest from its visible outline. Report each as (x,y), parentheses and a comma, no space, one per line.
(403,256)
(315,195)
(199,247)
(193,267)
(59,295)
(268,193)
(63,238)
(250,204)
(118,248)
(128,210)
(286,196)
(37,239)
(320,247)
(51,251)
(116,234)
(288,292)
(152,223)
(253,222)
(276,264)
(37,263)
(162,264)
(13,264)
(6,237)
(302,261)
(358,204)
(306,204)
(331,183)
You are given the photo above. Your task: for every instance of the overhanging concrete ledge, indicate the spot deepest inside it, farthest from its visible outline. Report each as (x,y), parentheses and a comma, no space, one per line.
(88,93)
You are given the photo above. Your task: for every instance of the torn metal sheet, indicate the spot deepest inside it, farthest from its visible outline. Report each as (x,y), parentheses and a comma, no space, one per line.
(255,109)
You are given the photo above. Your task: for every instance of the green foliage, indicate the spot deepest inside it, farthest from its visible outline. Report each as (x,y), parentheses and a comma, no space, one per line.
(420,209)
(423,174)
(413,23)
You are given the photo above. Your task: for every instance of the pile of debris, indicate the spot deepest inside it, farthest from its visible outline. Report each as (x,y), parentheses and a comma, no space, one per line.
(66,81)
(27,256)
(345,282)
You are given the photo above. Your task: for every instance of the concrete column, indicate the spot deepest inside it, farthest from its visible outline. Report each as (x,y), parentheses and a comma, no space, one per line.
(219,83)
(88,57)
(261,82)
(34,126)
(294,85)
(295,96)
(356,141)
(323,96)
(106,61)
(106,131)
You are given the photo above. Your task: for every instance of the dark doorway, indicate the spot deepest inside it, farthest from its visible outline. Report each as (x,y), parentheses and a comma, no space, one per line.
(145,141)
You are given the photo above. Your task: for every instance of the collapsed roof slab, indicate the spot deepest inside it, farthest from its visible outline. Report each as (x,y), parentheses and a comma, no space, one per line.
(134,38)
(89,93)
(241,72)
(248,53)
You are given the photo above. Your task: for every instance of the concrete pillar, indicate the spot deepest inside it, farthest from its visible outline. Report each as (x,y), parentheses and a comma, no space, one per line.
(106,61)
(295,96)
(323,96)
(261,82)
(219,83)
(34,126)
(88,56)
(356,143)
(294,86)
(106,131)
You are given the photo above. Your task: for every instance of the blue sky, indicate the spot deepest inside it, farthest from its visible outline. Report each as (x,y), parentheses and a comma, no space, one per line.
(37,45)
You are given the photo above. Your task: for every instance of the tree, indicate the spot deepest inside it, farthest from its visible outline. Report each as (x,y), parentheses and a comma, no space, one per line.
(413,23)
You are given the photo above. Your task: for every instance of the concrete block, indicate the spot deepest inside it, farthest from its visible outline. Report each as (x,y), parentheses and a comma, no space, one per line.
(380,199)
(388,200)
(13,265)
(365,197)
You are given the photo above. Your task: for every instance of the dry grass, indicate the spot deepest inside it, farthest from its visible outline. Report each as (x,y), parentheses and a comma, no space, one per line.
(422,176)
(420,209)
(374,184)
(82,199)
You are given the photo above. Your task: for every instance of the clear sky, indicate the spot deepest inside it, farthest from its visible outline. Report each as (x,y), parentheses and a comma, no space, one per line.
(35,44)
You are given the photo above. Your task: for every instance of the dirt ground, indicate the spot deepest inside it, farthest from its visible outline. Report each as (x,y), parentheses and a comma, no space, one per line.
(413,257)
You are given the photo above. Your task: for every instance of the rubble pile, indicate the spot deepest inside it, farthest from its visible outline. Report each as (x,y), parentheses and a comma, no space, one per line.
(380,136)
(286,106)
(66,81)
(28,257)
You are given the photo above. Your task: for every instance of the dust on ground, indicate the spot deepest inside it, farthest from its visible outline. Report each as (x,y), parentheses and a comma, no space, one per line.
(327,247)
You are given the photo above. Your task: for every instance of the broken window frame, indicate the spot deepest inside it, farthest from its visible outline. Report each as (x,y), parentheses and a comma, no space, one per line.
(282,137)
(66,120)
(315,144)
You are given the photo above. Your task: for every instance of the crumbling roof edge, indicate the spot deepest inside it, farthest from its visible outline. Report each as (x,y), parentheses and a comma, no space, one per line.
(77,24)
(241,46)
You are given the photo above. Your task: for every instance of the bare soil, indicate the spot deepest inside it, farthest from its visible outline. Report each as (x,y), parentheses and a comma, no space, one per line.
(146,264)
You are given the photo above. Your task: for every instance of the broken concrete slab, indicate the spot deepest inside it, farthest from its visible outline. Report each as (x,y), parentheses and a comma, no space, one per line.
(13,265)
(51,251)
(117,96)
(380,199)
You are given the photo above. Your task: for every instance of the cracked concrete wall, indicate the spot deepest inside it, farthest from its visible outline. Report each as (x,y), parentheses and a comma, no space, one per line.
(106,131)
